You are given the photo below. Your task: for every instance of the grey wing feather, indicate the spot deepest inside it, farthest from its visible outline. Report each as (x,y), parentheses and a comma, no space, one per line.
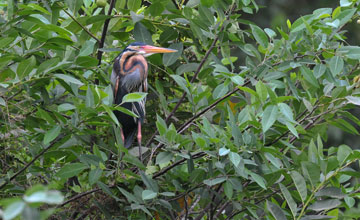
(132,81)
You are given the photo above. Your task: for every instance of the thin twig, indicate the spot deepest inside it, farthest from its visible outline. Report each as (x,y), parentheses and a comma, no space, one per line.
(33,160)
(202,213)
(195,156)
(310,124)
(300,122)
(78,196)
(82,26)
(212,208)
(222,208)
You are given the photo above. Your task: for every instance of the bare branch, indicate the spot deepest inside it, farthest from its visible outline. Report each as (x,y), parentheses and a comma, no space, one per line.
(103,35)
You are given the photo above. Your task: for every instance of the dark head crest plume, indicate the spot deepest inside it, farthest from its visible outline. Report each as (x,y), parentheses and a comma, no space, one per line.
(129,75)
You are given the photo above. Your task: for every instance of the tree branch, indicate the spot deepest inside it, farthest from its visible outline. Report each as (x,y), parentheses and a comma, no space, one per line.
(82,26)
(33,160)
(76,197)
(162,172)
(103,35)
(222,208)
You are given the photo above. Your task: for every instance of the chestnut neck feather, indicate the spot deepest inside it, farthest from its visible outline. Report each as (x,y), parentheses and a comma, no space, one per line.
(131,61)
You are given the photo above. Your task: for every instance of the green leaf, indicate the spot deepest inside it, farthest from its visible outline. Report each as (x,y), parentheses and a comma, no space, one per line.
(212,182)
(276,211)
(148,194)
(351,52)
(273,160)
(332,192)
(270,32)
(86,61)
(170,194)
(228,189)
(187,67)
(319,70)
(345,15)
(207,3)
(269,117)
(311,171)
(52,134)
(344,125)
(149,182)
(66,107)
(130,197)
(345,3)
(234,158)
(141,34)
(300,184)
(292,129)
(2,102)
(5,41)
(25,67)
(259,36)
(336,65)
(286,111)
(45,67)
(164,157)
(134,97)
(181,82)
(325,204)
(126,111)
(170,58)
(309,76)
(223,151)
(220,91)
(156,9)
(13,210)
(353,99)
(343,152)
(50,197)
(133,160)
(94,175)
(261,90)
(69,79)
(97,18)
(105,188)
(161,125)
(238,80)
(70,170)
(112,115)
(133,5)
(89,99)
(87,48)
(258,179)
(289,199)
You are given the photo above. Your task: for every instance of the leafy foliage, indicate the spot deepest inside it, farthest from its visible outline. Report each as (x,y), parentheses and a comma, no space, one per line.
(236,136)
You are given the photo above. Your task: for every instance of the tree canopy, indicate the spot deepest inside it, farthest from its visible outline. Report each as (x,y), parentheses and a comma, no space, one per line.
(237,120)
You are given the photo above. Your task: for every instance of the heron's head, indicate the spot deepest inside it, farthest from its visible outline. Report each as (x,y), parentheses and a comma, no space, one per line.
(147,50)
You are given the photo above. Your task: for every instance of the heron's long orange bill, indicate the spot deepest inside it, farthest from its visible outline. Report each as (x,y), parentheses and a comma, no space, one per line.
(151,49)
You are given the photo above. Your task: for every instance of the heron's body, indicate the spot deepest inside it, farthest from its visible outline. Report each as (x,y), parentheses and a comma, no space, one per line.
(129,75)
